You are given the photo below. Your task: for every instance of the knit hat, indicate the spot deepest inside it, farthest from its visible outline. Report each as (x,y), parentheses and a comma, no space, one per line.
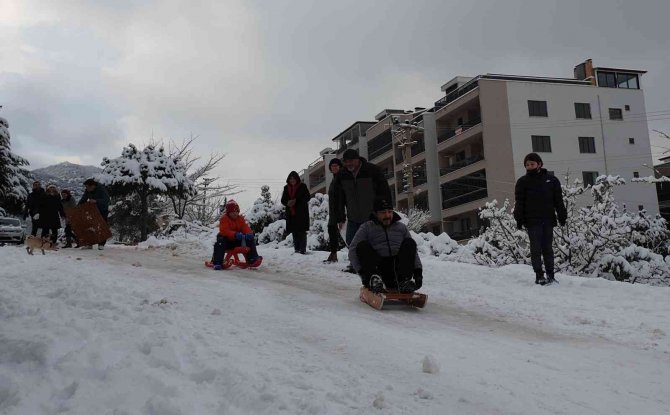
(350,154)
(382,204)
(89,181)
(533,157)
(335,161)
(232,206)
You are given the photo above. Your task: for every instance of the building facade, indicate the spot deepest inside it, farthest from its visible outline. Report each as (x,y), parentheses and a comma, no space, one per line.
(471,144)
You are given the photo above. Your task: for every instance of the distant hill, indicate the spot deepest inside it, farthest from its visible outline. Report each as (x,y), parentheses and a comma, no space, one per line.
(66,176)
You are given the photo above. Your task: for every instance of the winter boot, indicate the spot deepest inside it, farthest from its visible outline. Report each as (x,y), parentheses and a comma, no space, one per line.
(68,245)
(331,258)
(539,278)
(551,279)
(407,286)
(376,284)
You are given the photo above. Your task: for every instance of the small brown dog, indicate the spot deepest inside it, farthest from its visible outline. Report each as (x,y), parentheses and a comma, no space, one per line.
(35,242)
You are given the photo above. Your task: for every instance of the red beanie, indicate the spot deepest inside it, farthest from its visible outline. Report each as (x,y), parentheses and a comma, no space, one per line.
(232,206)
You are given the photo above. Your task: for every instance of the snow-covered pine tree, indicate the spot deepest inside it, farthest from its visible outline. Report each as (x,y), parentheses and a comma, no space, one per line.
(14,179)
(417,219)
(501,243)
(264,211)
(144,173)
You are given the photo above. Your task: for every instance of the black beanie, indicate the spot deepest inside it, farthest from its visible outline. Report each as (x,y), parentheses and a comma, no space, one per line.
(350,154)
(335,161)
(533,157)
(382,204)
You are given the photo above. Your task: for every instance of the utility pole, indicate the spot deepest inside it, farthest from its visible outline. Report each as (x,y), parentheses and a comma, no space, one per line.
(402,132)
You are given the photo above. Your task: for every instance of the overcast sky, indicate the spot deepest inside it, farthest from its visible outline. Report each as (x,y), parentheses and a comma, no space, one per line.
(270,83)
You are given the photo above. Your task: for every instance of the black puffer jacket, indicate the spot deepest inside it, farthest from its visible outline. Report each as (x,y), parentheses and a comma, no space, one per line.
(385,241)
(538,199)
(335,209)
(33,202)
(358,193)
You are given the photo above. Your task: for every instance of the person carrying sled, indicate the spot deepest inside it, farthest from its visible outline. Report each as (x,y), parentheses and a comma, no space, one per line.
(335,212)
(68,202)
(384,253)
(296,199)
(233,232)
(96,193)
(32,206)
(539,200)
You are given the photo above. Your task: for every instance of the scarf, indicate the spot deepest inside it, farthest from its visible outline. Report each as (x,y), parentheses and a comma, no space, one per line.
(292,190)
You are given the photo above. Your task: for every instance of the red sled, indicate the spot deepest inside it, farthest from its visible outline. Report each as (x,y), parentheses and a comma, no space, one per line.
(377,301)
(233,258)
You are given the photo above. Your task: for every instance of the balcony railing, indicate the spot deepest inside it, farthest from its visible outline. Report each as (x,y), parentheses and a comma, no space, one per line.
(317,181)
(452,96)
(373,153)
(460,164)
(450,133)
(418,148)
(388,175)
(464,198)
(420,179)
(464,234)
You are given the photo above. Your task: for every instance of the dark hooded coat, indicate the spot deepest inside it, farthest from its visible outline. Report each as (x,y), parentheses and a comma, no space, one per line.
(297,220)
(50,210)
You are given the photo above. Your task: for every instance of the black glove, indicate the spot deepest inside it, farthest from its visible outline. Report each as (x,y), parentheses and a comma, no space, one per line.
(519,225)
(418,278)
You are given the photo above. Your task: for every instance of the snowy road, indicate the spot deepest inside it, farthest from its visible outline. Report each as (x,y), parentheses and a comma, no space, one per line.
(93,336)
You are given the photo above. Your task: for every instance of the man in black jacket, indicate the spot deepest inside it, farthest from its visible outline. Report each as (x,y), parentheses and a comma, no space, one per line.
(335,214)
(32,206)
(358,185)
(538,201)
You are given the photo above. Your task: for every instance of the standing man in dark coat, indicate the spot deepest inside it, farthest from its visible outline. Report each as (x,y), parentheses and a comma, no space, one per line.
(296,200)
(538,201)
(96,193)
(32,206)
(335,212)
(50,213)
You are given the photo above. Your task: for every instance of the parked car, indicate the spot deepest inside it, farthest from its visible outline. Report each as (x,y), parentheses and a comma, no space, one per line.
(11,230)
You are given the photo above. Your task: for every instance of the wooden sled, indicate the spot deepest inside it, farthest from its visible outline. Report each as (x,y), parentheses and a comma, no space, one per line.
(232,258)
(377,301)
(87,224)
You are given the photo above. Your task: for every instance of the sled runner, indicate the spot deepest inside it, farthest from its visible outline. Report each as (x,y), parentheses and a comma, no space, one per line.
(377,301)
(87,223)
(233,258)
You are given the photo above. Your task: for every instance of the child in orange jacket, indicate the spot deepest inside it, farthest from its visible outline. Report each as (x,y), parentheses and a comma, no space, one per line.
(233,231)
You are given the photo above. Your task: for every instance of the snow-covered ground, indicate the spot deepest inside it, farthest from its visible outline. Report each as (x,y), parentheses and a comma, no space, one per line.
(151,331)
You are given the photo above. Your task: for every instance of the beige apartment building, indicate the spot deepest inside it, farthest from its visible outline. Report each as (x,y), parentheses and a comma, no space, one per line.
(475,137)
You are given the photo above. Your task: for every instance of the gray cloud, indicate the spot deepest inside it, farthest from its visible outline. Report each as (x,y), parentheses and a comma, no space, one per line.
(270,83)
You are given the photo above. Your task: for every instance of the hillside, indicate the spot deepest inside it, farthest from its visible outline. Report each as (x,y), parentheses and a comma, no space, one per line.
(66,175)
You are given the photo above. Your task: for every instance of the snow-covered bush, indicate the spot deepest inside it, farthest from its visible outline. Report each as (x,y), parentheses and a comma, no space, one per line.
(317,236)
(599,240)
(264,211)
(273,233)
(417,219)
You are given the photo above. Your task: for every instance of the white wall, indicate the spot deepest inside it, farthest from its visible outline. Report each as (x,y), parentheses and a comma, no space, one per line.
(564,129)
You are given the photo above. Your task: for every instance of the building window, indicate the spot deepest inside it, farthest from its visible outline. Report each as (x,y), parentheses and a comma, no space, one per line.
(537,108)
(589,177)
(636,174)
(626,107)
(631,140)
(627,80)
(583,110)
(541,143)
(607,79)
(616,114)
(587,145)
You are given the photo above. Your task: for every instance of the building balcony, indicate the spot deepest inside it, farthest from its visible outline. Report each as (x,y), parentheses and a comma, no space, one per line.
(461,164)
(379,151)
(451,133)
(453,96)
(316,181)
(464,198)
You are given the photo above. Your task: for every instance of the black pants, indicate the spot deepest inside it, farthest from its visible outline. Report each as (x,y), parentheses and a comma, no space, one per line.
(392,269)
(299,241)
(223,244)
(541,237)
(333,238)
(69,235)
(54,234)
(33,229)
(102,243)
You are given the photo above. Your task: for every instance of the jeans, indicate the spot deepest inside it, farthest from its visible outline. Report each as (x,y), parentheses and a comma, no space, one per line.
(223,244)
(393,269)
(541,237)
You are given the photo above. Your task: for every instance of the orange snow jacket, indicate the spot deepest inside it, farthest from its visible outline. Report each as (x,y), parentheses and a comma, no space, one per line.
(229,227)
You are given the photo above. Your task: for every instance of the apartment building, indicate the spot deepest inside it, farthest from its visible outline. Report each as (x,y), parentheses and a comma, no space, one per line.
(475,137)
